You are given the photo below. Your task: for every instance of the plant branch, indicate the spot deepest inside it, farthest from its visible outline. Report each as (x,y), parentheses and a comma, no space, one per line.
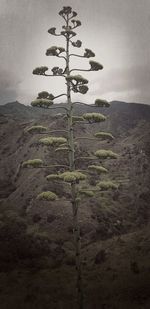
(65,131)
(57,107)
(63,57)
(50,166)
(89,158)
(89,138)
(91,105)
(76,55)
(83,70)
(61,75)
(60,95)
(53,131)
(88,123)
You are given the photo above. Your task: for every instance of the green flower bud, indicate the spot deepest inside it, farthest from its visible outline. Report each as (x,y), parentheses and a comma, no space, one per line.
(87,193)
(57,71)
(83,89)
(52,31)
(77,78)
(106,185)
(40,70)
(78,43)
(45,103)
(72,176)
(98,169)
(102,103)
(104,135)
(45,95)
(94,117)
(36,129)
(32,163)
(88,53)
(105,154)
(95,66)
(47,196)
(52,141)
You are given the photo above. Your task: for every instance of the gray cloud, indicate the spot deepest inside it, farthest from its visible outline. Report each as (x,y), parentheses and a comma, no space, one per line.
(134,80)
(8,87)
(117,30)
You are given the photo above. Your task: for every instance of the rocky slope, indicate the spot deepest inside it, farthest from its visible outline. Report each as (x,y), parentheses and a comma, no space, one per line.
(37,256)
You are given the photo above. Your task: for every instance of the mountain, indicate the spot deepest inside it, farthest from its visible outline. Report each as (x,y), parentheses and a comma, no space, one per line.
(17,109)
(37,254)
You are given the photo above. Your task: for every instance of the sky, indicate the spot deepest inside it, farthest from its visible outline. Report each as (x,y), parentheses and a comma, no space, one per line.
(118,31)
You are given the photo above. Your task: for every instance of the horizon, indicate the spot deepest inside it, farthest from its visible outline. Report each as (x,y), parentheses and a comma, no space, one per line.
(111,102)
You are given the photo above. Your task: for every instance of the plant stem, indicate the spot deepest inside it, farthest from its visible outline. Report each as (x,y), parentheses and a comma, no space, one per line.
(76,229)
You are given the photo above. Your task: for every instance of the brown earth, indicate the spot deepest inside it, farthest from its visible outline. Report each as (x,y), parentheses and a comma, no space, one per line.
(37,266)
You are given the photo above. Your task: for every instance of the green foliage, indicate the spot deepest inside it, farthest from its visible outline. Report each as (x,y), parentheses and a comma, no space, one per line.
(77,118)
(87,193)
(95,66)
(105,154)
(62,149)
(79,79)
(36,129)
(72,176)
(78,83)
(52,31)
(97,168)
(52,141)
(47,196)
(57,71)
(45,95)
(77,44)
(65,11)
(68,176)
(53,177)
(40,70)
(102,103)
(106,185)
(94,117)
(69,33)
(32,163)
(76,23)
(54,51)
(83,89)
(104,135)
(45,103)
(88,53)
(77,200)
(63,145)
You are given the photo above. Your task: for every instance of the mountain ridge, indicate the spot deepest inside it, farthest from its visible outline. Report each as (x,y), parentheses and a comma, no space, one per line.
(16,106)
(36,238)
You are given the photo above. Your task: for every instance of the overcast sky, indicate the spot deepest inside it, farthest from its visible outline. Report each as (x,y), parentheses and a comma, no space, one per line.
(118,31)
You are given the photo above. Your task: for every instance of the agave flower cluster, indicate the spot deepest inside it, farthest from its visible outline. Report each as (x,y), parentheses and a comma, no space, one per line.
(77,84)
(72,176)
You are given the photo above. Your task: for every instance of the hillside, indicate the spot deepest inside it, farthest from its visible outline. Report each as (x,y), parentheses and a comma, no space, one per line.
(37,256)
